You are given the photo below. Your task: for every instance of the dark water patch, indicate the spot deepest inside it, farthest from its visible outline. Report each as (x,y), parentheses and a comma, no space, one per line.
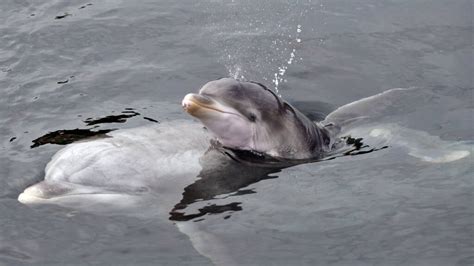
(356,142)
(244,192)
(66,136)
(128,112)
(111,118)
(350,147)
(210,209)
(63,16)
(359,147)
(84,6)
(151,119)
(361,151)
(65,80)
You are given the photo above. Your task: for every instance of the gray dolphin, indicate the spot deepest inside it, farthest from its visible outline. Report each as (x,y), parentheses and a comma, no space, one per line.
(249,116)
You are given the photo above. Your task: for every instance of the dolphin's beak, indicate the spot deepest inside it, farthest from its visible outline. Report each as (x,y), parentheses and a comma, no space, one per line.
(194,103)
(197,105)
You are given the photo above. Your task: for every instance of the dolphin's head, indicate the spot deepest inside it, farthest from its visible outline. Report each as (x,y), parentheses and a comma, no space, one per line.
(248,116)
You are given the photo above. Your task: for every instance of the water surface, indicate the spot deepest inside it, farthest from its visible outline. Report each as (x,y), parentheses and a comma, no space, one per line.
(64,64)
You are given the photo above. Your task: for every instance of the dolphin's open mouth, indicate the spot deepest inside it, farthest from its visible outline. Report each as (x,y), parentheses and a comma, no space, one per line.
(196,104)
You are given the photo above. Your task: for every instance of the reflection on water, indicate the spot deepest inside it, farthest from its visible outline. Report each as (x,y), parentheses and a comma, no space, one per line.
(226,171)
(220,175)
(111,118)
(66,136)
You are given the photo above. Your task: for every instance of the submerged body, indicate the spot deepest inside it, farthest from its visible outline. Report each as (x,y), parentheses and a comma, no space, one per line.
(131,162)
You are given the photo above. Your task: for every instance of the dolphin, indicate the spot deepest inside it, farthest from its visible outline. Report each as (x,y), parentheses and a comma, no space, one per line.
(249,116)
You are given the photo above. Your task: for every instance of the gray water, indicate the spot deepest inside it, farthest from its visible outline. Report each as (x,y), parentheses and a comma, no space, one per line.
(381,208)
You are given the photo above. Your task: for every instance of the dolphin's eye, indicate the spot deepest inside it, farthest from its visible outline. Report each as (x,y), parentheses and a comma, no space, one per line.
(252,117)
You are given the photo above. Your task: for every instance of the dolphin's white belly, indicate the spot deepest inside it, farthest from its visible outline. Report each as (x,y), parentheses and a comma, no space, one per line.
(154,161)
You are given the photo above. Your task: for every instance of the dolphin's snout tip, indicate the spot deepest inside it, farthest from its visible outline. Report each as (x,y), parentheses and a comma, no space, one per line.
(191,102)
(187,101)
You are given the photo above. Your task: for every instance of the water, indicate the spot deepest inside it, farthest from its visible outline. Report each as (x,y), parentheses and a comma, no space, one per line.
(404,205)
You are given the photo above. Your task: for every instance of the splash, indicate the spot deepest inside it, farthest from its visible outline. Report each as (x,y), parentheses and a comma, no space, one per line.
(235,71)
(279,75)
(257,40)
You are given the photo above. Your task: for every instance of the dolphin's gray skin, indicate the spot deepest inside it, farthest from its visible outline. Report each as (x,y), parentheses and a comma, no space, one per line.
(248,116)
